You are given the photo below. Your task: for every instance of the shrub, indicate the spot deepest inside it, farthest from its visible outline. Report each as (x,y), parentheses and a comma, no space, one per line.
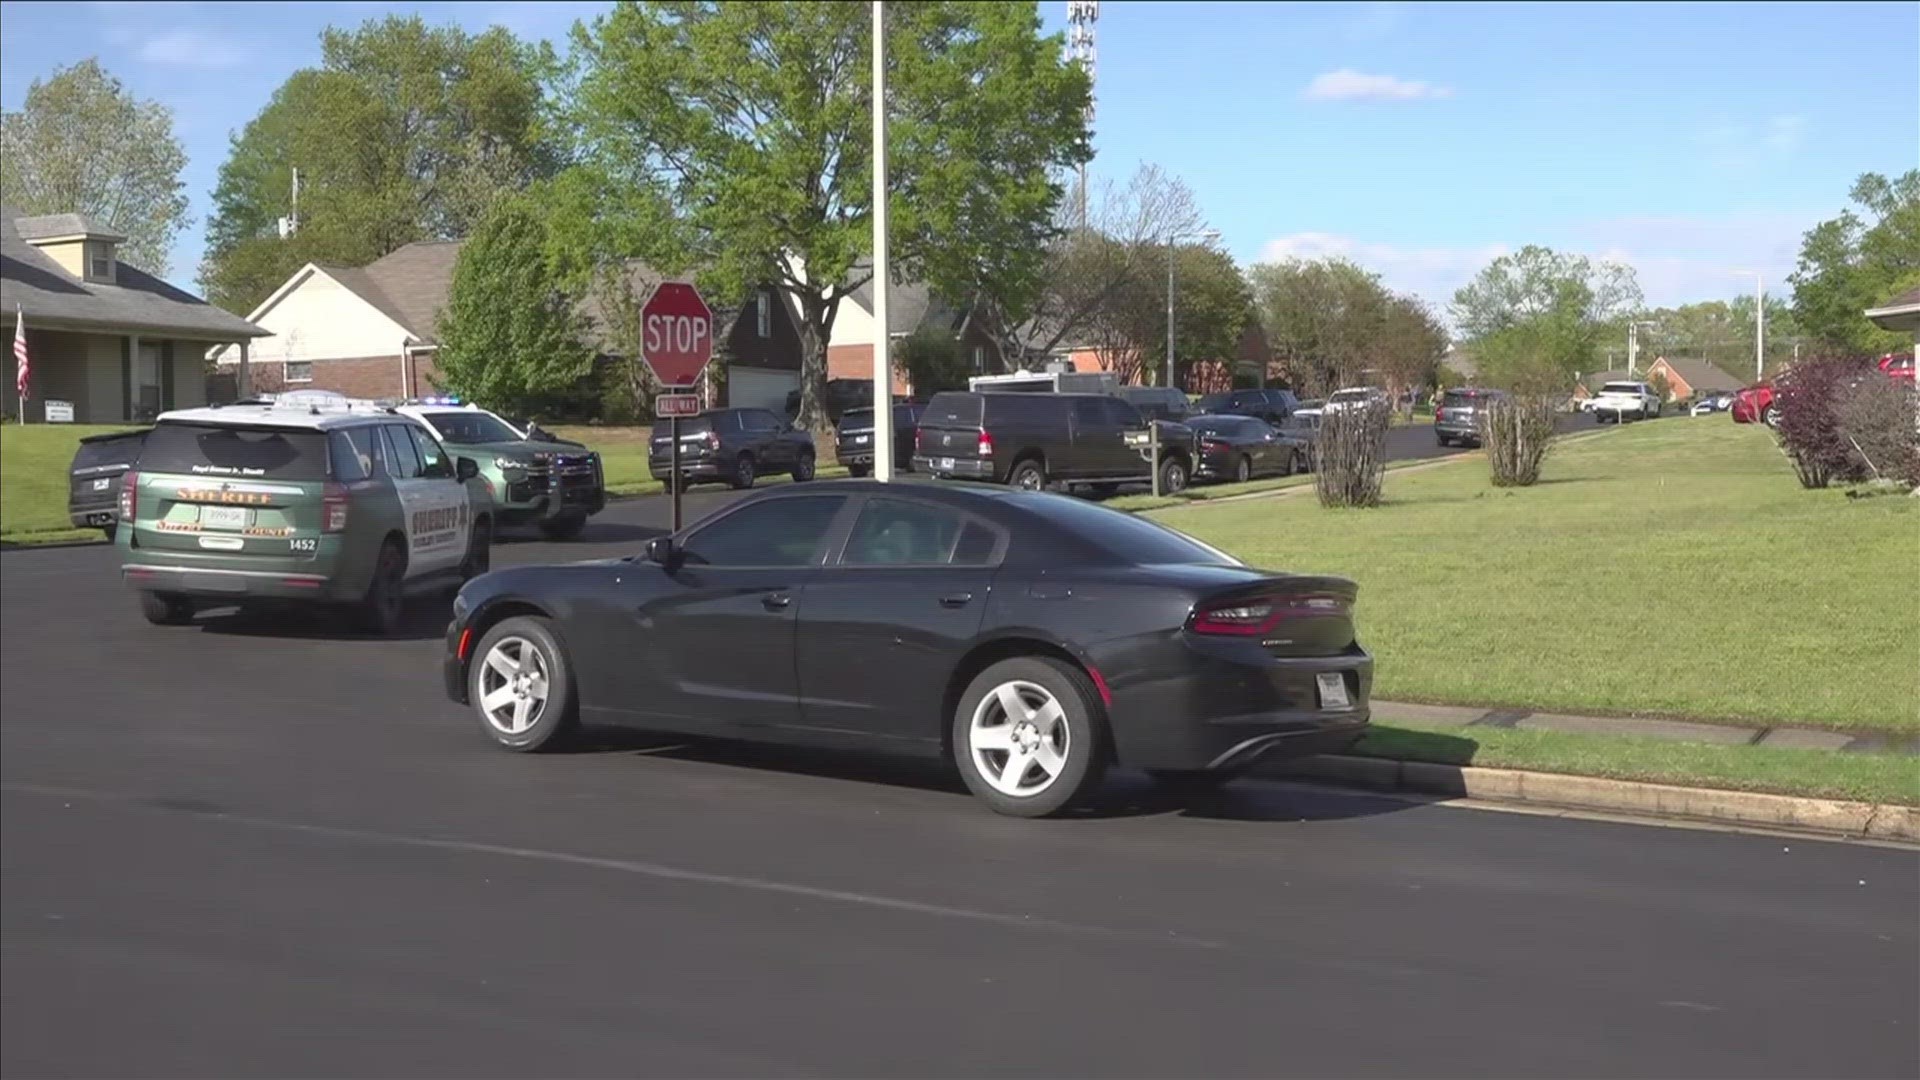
(1878,422)
(1518,432)
(933,362)
(1807,399)
(1352,455)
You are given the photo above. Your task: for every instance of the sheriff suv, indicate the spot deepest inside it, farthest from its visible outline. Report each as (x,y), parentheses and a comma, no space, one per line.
(536,481)
(307,499)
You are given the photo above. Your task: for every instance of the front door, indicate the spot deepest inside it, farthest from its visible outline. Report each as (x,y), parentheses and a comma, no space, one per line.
(882,628)
(710,641)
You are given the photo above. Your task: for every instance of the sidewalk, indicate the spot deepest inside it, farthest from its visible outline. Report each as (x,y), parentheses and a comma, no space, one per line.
(1444,717)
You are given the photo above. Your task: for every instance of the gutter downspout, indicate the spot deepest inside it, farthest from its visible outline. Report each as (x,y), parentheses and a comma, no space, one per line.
(406,370)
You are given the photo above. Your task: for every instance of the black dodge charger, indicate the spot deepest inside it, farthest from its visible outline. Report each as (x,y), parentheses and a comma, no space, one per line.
(1035,639)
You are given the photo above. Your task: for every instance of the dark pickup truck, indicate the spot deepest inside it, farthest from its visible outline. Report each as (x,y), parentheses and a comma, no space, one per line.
(1037,440)
(93,480)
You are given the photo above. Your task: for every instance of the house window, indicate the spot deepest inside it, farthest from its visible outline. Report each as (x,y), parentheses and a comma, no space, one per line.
(299,371)
(99,262)
(763,313)
(102,266)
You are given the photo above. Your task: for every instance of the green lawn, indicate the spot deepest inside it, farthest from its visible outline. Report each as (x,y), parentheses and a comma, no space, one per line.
(33,478)
(1670,568)
(1825,774)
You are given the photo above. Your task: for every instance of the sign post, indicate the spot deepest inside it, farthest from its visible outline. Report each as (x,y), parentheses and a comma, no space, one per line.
(676,341)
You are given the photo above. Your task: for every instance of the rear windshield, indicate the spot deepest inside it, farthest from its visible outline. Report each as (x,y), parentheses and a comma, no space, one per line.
(859,418)
(692,425)
(1620,388)
(1350,395)
(224,450)
(1225,425)
(1127,537)
(951,408)
(1465,397)
(121,451)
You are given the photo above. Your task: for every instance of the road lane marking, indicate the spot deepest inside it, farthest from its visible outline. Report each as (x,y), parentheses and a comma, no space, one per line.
(625,866)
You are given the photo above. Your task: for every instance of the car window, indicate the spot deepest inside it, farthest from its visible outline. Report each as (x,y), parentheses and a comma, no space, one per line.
(368,449)
(764,421)
(896,532)
(777,532)
(433,460)
(1121,414)
(403,461)
(954,408)
(1090,412)
(1128,537)
(348,466)
(223,450)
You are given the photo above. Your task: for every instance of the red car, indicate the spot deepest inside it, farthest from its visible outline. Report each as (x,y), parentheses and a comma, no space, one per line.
(1897,366)
(1755,403)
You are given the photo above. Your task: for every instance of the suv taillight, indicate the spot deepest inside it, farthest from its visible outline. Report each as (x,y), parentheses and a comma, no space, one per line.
(985,447)
(919,440)
(333,508)
(713,440)
(129,495)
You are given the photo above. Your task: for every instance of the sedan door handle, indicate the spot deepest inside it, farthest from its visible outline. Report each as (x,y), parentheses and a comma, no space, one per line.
(956,600)
(775,601)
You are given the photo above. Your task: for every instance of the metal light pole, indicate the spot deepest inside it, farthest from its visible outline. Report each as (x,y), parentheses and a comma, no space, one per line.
(883,341)
(1208,235)
(1759,323)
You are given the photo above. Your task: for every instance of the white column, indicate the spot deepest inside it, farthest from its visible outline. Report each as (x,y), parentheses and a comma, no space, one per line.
(243,383)
(882,340)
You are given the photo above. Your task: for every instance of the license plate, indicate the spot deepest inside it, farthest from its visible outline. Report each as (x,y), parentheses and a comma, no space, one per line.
(223,517)
(861,440)
(1333,690)
(1135,438)
(945,464)
(102,485)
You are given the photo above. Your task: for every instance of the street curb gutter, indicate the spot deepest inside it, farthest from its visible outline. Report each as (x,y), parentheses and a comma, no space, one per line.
(1833,817)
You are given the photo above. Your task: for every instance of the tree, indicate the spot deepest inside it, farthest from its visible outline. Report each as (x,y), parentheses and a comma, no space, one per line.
(755,119)
(1334,324)
(404,132)
(1537,316)
(1721,333)
(1406,350)
(511,336)
(932,362)
(81,144)
(1857,261)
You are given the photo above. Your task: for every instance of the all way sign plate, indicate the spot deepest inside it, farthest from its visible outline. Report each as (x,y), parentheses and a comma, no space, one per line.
(667,406)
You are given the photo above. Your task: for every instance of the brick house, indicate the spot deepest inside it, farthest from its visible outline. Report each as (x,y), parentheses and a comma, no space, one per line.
(911,308)
(373,331)
(113,341)
(1688,379)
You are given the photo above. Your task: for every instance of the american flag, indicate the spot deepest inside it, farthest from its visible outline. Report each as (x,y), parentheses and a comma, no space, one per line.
(23,369)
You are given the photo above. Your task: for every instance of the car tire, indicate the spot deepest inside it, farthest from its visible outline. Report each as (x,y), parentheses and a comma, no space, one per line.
(564,527)
(479,557)
(1073,736)
(859,472)
(379,611)
(109,531)
(1028,474)
(1173,476)
(743,473)
(803,470)
(1243,469)
(166,609)
(541,677)
(1770,416)
(1443,440)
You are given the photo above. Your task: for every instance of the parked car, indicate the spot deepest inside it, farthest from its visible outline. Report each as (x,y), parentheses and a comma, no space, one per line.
(1755,405)
(1030,638)
(841,395)
(731,446)
(1302,432)
(347,504)
(853,437)
(1620,401)
(1159,402)
(1458,414)
(1034,440)
(1272,406)
(1240,448)
(550,484)
(1897,366)
(1719,401)
(1355,397)
(93,478)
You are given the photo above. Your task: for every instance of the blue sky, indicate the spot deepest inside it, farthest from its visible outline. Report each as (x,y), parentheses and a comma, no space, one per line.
(1692,140)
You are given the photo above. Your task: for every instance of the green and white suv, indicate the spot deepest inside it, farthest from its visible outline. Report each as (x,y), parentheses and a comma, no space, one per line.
(535,479)
(311,497)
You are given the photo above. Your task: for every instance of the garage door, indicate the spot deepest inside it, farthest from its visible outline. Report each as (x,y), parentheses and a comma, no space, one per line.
(760,388)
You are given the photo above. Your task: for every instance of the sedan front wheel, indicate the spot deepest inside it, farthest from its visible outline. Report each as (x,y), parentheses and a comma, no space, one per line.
(1029,736)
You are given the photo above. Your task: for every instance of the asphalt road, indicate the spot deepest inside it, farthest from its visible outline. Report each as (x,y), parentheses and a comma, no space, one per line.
(270,848)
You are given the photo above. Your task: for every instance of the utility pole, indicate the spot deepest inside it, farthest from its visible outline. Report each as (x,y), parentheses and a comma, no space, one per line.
(883,341)
(1759,328)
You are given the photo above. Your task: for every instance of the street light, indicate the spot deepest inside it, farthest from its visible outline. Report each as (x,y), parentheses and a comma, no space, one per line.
(882,360)
(1759,323)
(1207,235)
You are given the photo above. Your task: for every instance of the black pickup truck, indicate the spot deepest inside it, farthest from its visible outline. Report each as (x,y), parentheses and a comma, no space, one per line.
(1039,440)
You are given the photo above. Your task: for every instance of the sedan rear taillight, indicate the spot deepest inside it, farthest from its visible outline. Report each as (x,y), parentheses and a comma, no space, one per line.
(1248,617)
(333,508)
(1212,445)
(129,495)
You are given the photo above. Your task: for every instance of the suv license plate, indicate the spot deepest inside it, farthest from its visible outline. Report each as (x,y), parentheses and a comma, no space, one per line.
(223,517)
(1333,690)
(944,464)
(102,485)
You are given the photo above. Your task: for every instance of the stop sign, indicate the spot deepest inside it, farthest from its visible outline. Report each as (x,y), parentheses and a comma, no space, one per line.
(676,333)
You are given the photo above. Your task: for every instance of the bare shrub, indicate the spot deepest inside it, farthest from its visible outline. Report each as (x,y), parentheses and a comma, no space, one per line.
(1517,431)
(1352,455)
(1807,400)
(1878,422)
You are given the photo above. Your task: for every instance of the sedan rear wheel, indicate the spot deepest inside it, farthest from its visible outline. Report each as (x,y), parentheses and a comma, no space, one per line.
(1243,469)
(521,684)
(1029,737)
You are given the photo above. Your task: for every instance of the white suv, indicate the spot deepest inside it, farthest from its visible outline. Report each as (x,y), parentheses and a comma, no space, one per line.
(1618,401)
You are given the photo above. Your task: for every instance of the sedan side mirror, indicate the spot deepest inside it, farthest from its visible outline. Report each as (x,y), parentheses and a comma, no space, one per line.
(662,550)
(465,469)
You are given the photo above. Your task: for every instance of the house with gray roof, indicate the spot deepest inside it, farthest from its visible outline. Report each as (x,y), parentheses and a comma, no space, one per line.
(112,341)
(1688,378)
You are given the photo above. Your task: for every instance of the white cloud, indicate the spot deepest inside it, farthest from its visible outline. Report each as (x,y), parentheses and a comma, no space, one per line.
(1347,84)
(181,47)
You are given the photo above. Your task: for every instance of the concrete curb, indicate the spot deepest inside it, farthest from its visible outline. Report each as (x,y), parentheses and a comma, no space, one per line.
(1832,817)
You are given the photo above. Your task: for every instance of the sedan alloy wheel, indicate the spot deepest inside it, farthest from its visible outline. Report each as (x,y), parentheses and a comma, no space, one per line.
(1019,739)
(513,686)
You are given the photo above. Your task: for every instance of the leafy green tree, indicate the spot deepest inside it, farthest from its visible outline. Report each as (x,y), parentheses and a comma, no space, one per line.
(81,144)
(404,132)
(1211,306)
(1721,333)
(1537,316)
(511,337)
(754,118)
(933,362)
(1323,318)
(1857,261)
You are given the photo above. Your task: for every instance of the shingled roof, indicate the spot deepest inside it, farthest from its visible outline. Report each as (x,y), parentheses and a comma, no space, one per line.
(34,283)
(409,284)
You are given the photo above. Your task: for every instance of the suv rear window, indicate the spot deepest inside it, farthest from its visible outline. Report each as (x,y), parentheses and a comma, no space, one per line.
(953,408)
(234,451)
(692,425)
(1620,388)
(120,451)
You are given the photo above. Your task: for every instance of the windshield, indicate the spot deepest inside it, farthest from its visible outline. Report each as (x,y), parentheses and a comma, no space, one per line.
(241,452)
(470,427)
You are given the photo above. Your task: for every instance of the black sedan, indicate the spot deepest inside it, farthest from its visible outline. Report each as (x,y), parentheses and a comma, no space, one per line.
(1240,448)
(1033,638)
